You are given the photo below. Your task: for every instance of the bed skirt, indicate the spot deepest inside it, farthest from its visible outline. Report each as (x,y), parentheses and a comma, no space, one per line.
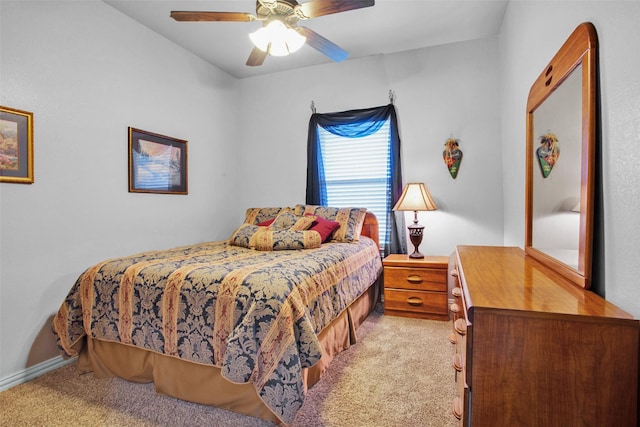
(204,384)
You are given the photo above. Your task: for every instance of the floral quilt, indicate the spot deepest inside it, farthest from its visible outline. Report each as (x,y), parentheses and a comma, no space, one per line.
(254,314)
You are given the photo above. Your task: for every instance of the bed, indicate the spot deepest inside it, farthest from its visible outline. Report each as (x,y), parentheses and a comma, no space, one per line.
(247,324)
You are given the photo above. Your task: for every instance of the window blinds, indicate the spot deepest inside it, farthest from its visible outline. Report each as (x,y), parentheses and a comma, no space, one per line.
(357,172)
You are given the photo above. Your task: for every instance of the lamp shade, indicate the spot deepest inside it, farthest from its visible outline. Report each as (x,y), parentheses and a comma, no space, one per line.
(415,197)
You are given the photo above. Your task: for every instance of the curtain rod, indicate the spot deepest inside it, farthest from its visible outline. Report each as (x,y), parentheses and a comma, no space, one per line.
(392,97)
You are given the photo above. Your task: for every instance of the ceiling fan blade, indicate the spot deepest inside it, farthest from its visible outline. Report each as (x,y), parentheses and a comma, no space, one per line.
(256,57)
(212,16)
(323,45)
(315,8)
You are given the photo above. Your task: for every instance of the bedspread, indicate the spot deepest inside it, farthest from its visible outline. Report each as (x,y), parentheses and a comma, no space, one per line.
(254,314)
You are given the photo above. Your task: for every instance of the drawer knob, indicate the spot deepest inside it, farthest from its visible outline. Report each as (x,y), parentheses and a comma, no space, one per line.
(454,272)
(414,278)
(414,301)
(457,409)
(457,362)
(455,308)
(452,338)
(460,326)
(456,292)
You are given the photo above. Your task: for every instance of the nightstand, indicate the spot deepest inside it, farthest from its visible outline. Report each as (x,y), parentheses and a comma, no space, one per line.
(416,287)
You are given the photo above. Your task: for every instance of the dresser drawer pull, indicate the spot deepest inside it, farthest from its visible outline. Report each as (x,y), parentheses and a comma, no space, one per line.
(453,338)
(460,326)
(455,308)
(414,301)
(454,272)
(457,408)
(414,278)
(456,292)
(457,362)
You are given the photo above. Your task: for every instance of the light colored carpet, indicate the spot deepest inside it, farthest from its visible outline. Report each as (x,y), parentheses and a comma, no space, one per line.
(398,374)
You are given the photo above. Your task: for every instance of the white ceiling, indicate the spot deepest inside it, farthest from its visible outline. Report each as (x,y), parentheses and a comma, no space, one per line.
(387,27)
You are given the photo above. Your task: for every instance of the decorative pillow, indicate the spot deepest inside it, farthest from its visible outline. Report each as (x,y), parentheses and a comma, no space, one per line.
(257,215)
(303,223)
(287,220)
(242,236)
(277,240)
(267,239)
(266,223)
(350,220)
(324,227)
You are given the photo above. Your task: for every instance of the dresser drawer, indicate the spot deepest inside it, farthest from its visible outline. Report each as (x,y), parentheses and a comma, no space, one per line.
(423,279)
(415,301)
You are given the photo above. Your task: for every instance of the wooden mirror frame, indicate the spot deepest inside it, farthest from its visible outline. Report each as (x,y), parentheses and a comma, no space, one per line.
(579,49)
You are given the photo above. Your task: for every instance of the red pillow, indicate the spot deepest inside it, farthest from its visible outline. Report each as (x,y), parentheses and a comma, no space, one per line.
(266,223)
(325,227)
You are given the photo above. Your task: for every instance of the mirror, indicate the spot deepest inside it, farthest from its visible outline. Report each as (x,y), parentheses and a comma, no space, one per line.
(561,132)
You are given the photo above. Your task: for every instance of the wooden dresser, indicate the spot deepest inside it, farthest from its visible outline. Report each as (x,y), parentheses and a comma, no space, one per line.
(532,349)
(416,287)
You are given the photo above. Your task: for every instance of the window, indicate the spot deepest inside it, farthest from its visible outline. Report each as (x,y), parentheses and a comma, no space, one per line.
(357,172)
(353,160)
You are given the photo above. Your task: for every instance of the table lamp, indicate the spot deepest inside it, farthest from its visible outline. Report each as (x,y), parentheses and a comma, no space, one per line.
(415,197)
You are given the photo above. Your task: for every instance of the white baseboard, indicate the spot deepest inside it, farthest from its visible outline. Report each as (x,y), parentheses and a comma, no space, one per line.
(33,372)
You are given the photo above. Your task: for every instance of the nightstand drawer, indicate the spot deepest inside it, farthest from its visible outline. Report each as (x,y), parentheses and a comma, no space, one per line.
(416,278)
(415,301)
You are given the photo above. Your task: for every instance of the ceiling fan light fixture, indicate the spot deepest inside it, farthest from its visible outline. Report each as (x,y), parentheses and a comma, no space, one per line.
(282,14)
(277,39)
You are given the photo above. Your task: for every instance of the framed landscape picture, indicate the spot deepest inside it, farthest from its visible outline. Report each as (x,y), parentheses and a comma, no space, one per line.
(157,163)
(16,146)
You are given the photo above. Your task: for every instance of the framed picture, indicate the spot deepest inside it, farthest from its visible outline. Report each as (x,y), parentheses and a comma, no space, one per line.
(16,146)
(157,163)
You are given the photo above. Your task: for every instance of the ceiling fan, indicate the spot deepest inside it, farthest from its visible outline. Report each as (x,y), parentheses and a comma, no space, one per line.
(287,12)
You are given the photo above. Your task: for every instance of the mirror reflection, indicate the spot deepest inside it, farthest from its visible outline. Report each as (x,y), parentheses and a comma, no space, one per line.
(557,133)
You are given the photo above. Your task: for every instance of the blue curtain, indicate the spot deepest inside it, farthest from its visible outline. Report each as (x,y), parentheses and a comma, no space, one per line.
(357,124)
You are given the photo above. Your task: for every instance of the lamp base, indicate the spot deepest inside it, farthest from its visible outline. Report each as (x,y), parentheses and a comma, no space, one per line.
(415,234)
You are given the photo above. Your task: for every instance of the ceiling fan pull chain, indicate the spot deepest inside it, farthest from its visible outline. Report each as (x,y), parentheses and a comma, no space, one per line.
(392,96)
(313,107)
